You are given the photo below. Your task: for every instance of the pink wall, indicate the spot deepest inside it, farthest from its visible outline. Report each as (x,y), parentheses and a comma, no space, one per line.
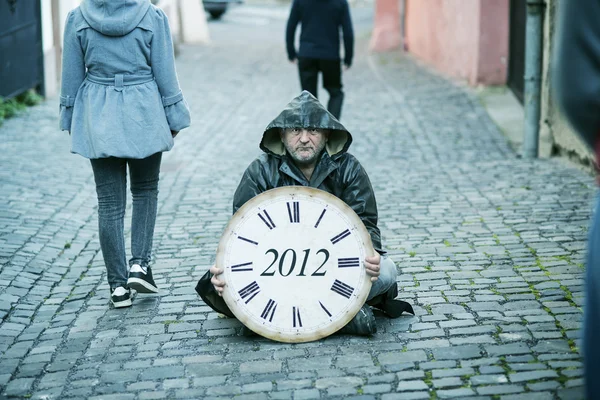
(467,39)
(386,32)
(493,42)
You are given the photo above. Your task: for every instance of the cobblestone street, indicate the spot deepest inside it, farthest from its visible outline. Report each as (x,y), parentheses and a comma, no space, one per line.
(489,247)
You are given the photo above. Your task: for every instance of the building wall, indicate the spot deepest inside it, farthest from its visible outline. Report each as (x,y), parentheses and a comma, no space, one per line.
(49,50)
(467,39)
(493,42)
(54,16)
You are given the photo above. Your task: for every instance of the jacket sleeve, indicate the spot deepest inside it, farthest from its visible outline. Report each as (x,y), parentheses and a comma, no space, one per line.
(348,34)
(251,184)
(211,297)
(73,72)
(358,194)
(577,72)
(162,60)
(290,32)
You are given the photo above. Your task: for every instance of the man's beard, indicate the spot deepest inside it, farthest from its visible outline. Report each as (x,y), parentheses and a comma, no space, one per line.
(306,159)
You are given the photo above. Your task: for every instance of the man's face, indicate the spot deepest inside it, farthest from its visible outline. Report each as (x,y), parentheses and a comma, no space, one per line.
(304,145)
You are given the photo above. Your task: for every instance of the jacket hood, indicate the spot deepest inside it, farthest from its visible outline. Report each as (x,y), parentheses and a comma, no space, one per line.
(114,17)
(305,111)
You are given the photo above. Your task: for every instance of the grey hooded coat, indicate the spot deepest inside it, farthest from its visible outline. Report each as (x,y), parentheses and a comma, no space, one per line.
(120,95)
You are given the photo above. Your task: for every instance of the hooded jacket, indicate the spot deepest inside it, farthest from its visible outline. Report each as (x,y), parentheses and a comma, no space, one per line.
(337,172)
(120,95)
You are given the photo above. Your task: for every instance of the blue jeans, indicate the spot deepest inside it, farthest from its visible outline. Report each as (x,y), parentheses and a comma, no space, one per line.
(110,175)
(387,277)
(591,322)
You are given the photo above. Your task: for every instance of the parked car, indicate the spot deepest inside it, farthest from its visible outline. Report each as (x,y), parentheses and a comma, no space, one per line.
(216,8)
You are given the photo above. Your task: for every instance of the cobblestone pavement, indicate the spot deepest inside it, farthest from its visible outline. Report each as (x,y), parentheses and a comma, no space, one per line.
(489,247)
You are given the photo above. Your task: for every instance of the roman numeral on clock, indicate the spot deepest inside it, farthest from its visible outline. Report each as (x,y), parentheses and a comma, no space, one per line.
(247,240)
(242,267)
(342,289)
(297,320)
(269,310)
(267,219)
(320,218)
(339,237)
(348,262)
(249,291)
(294,211)
(325,309)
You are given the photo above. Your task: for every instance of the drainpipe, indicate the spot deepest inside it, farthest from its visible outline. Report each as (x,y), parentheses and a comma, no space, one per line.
(403,23)
(533,76)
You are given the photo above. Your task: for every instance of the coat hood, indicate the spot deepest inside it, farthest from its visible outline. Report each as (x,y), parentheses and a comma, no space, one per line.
(305,111)
(114,17)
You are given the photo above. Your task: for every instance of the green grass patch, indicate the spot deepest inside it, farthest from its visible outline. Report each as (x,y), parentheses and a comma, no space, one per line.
(496,239)
(12,107)
(172,321)
(428,378)
(573,346)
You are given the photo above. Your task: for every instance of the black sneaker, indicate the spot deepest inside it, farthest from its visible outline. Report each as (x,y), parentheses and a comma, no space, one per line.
(362,324)
(140,279)
(121,297)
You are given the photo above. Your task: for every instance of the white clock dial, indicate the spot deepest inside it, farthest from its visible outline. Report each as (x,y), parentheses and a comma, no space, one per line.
(293,261)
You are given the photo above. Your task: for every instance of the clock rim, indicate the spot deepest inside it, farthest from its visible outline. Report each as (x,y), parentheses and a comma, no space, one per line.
(287,191)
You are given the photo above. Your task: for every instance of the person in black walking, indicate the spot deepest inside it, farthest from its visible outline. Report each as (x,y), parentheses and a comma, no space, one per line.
(319,51)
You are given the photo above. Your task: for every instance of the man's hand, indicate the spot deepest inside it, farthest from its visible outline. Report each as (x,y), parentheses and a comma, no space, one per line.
(294,61)
(346,67)
(217,283)
(372,266)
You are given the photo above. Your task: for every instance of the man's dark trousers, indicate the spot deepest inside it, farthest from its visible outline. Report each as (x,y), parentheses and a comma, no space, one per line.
(309,69)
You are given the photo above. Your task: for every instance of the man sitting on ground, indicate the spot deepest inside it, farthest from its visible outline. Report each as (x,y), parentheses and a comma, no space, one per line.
(307,146)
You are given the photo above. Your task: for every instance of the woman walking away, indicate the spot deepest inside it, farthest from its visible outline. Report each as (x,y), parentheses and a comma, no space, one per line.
(121,102)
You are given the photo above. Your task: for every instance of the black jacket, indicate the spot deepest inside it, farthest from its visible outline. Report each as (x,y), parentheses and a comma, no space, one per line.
(320,35)
(336,172)
(577,68)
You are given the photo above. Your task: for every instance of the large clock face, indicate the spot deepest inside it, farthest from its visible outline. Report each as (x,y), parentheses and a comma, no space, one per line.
(293,261)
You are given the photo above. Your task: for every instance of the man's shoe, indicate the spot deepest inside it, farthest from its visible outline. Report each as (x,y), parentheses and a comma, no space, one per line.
(387,303)
(141,280)
(247,332)
(362,324)
(121,297)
